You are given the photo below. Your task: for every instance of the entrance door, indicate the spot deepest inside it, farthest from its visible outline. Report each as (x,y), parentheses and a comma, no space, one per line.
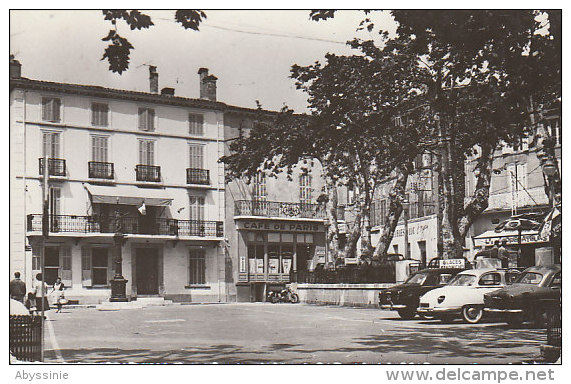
(147,271)
(51,265)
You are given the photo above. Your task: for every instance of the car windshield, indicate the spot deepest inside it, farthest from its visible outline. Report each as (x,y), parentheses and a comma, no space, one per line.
(417,278)
(463,280)
(530,278)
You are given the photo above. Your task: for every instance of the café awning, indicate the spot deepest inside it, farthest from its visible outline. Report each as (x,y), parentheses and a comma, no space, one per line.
(488,237)
(127,195)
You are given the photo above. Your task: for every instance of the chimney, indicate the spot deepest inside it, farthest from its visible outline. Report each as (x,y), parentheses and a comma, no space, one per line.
(207,85)
(153,79)
(167,91)
(15,68)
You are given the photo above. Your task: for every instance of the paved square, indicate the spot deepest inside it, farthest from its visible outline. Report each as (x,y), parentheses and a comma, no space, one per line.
(278,333)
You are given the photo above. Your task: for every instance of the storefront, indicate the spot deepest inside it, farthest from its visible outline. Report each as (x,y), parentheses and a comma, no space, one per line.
(273,253)
(421,237)
(526,244)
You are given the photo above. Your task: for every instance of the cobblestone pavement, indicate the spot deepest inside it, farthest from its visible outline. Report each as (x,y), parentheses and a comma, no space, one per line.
(278,333)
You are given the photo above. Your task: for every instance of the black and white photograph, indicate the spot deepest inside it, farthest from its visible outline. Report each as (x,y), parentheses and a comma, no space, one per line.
(286,187)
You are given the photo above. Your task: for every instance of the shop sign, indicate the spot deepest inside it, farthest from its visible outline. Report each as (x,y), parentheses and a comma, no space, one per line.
(351,260)
(512,240)
(280,226)
(452,263)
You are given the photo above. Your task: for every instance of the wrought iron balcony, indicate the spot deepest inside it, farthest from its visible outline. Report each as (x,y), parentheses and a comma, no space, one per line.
(56,167)
(127,225)
(99,170)
(279,209)
(197,176)
(148,173)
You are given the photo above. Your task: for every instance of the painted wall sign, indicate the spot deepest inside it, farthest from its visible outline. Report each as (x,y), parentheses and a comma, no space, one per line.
(279,226)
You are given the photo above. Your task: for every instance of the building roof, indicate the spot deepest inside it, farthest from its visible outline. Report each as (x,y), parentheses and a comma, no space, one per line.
(121,94)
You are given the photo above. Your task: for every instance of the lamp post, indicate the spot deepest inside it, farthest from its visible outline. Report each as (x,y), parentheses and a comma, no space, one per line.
(118,284)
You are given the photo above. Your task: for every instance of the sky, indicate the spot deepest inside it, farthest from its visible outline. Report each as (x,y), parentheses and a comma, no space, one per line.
(251,52)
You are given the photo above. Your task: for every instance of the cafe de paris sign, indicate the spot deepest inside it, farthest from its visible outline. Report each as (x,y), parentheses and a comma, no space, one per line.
(250,225)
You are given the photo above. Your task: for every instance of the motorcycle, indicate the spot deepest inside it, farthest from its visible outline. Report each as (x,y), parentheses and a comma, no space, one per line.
(285,295)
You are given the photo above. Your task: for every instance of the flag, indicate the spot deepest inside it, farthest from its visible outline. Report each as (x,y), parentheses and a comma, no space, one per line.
(142,209)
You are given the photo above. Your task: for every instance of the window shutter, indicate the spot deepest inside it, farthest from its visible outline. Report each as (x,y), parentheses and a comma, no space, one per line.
(66,266)
(86,266)
(45,109)
(142,119)
(56,109)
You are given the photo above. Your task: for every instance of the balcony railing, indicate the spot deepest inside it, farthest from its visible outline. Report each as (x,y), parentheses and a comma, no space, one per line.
(56,167)
(127,225)
(148,173)
(279,209)
(99,170)
(197,176)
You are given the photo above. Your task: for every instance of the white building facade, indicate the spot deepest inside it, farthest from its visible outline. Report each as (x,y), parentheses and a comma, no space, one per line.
(144,164)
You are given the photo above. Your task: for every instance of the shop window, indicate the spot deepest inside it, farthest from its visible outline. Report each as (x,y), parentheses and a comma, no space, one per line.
(197,267)
(306,238)
(274,237)
(256,259)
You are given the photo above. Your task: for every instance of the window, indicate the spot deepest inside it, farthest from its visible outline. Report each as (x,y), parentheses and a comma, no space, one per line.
(556,282)
(99,264)
(260,192)
(95,266)
(51,109)
(196,156)
(195,124)
(55,200)
(146,152)
(100,114)
(51,145)
(517,176)
(57,263)
(197,208)
(490,279)
(99,149)
(554,128)
(305,188)
(197,267)
(146,119)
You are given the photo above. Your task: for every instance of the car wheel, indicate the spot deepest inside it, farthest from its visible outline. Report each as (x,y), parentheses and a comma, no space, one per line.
(407,313)
(540,318)
(472,314)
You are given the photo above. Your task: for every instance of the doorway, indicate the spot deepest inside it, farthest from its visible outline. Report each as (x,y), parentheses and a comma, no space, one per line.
(147,271)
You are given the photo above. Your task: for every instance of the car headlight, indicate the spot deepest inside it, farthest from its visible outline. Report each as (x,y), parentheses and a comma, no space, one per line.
(441,299)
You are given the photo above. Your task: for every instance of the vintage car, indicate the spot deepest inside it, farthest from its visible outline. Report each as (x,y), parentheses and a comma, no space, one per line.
(536,291)
(463,296)
(404,298)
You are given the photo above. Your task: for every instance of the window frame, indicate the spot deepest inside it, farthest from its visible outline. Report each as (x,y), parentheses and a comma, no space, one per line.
(260,187)
(107,148)
(199,156)
(153,120)
(154,151)
(196,275)
(305,188)
(43,110)
(93,112)
(196,124)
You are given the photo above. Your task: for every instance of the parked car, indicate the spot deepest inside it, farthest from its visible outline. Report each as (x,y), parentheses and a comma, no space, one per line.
(463,296)
(536,291)
(404,298)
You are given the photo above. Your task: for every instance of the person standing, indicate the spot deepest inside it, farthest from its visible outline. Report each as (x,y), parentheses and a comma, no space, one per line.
(503,254)
(57,292)
(41,289)
(17,288)
(495,249)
